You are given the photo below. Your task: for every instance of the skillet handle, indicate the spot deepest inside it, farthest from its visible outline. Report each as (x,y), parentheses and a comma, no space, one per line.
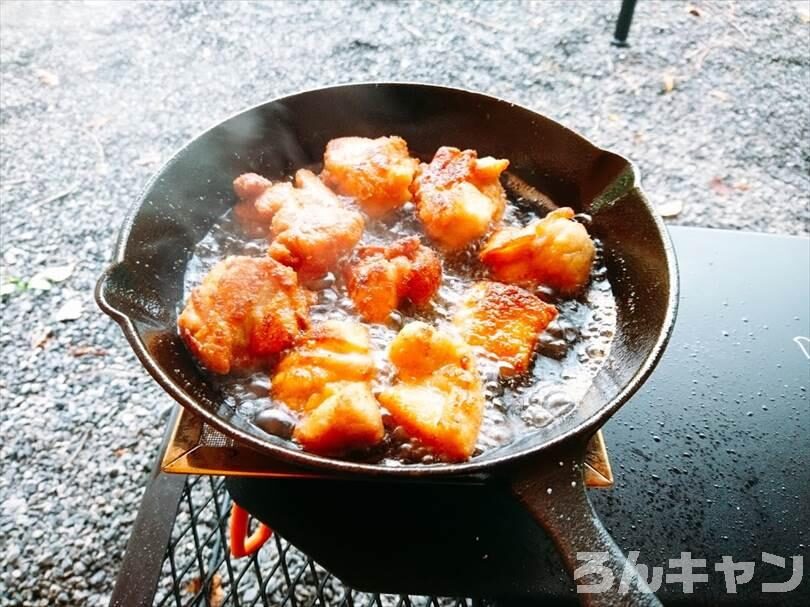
(556,498)
(106,288)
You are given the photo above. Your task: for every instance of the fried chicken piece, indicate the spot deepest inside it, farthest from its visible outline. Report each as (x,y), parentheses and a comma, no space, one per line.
(554,251)
(504,320)
(313,230)
(245,310)
(330,351)
(376,172)
(249,188)
(327,379)
(309,226)
(348,419)
(459,196)
(438,397)
(380,277)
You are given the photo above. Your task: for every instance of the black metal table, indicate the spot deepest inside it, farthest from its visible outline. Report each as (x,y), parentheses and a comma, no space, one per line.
(710,458)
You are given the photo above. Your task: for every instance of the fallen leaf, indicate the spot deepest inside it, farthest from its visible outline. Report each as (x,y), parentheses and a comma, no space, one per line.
(148,158)
(193,586)
(216,594)
(694,10)
(70,310)
(670,208)
(78,351)
(668,84)
(40,283)
(719,186)
(98,122)
(43,279)
(47,77)
(40,338)
(58,273)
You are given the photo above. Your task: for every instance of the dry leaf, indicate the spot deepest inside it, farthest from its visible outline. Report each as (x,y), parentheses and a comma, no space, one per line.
(148,158)
(694,10)
(70,310)
(719,186)
(47,77)
(668,84)
(42,280)
(98,122)
(194,585)
(78,351)
(39,282)
(670,208)
(216,594)
(40,338)
(58,273)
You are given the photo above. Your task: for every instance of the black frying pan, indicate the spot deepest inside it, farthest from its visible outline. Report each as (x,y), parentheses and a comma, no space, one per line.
(143,289)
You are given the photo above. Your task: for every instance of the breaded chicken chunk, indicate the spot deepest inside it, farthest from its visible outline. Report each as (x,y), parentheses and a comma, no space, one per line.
(249,188)
(348,419)
(376,172)
(245,310)
(438,396)
(459,196)
(379,278)
(330,351)
(327,378)
(309,227)
(504,320)
(555,251)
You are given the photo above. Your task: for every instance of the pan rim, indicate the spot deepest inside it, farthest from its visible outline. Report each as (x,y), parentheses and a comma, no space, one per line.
(309,460)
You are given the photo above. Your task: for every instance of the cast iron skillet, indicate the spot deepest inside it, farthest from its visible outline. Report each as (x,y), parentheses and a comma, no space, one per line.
(143,289)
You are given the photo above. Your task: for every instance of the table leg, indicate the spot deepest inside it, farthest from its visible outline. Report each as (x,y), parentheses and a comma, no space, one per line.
(140,569)
(623,23)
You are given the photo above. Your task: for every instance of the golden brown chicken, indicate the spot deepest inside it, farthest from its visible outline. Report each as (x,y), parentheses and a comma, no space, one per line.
(309,226)
(376,172)
(348,419)
(326,378)
(245,310)
(459,196)
(555,251)
(249,188)
(330,351)
(504,320)
(379,278)
(438,396)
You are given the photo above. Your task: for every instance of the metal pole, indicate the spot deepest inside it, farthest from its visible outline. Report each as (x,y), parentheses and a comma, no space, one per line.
(623,23)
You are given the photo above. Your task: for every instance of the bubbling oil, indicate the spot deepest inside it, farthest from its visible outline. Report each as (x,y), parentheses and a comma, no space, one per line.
(570,351)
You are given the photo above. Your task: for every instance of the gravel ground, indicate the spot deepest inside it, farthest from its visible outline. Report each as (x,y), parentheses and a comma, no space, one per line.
(712,106)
